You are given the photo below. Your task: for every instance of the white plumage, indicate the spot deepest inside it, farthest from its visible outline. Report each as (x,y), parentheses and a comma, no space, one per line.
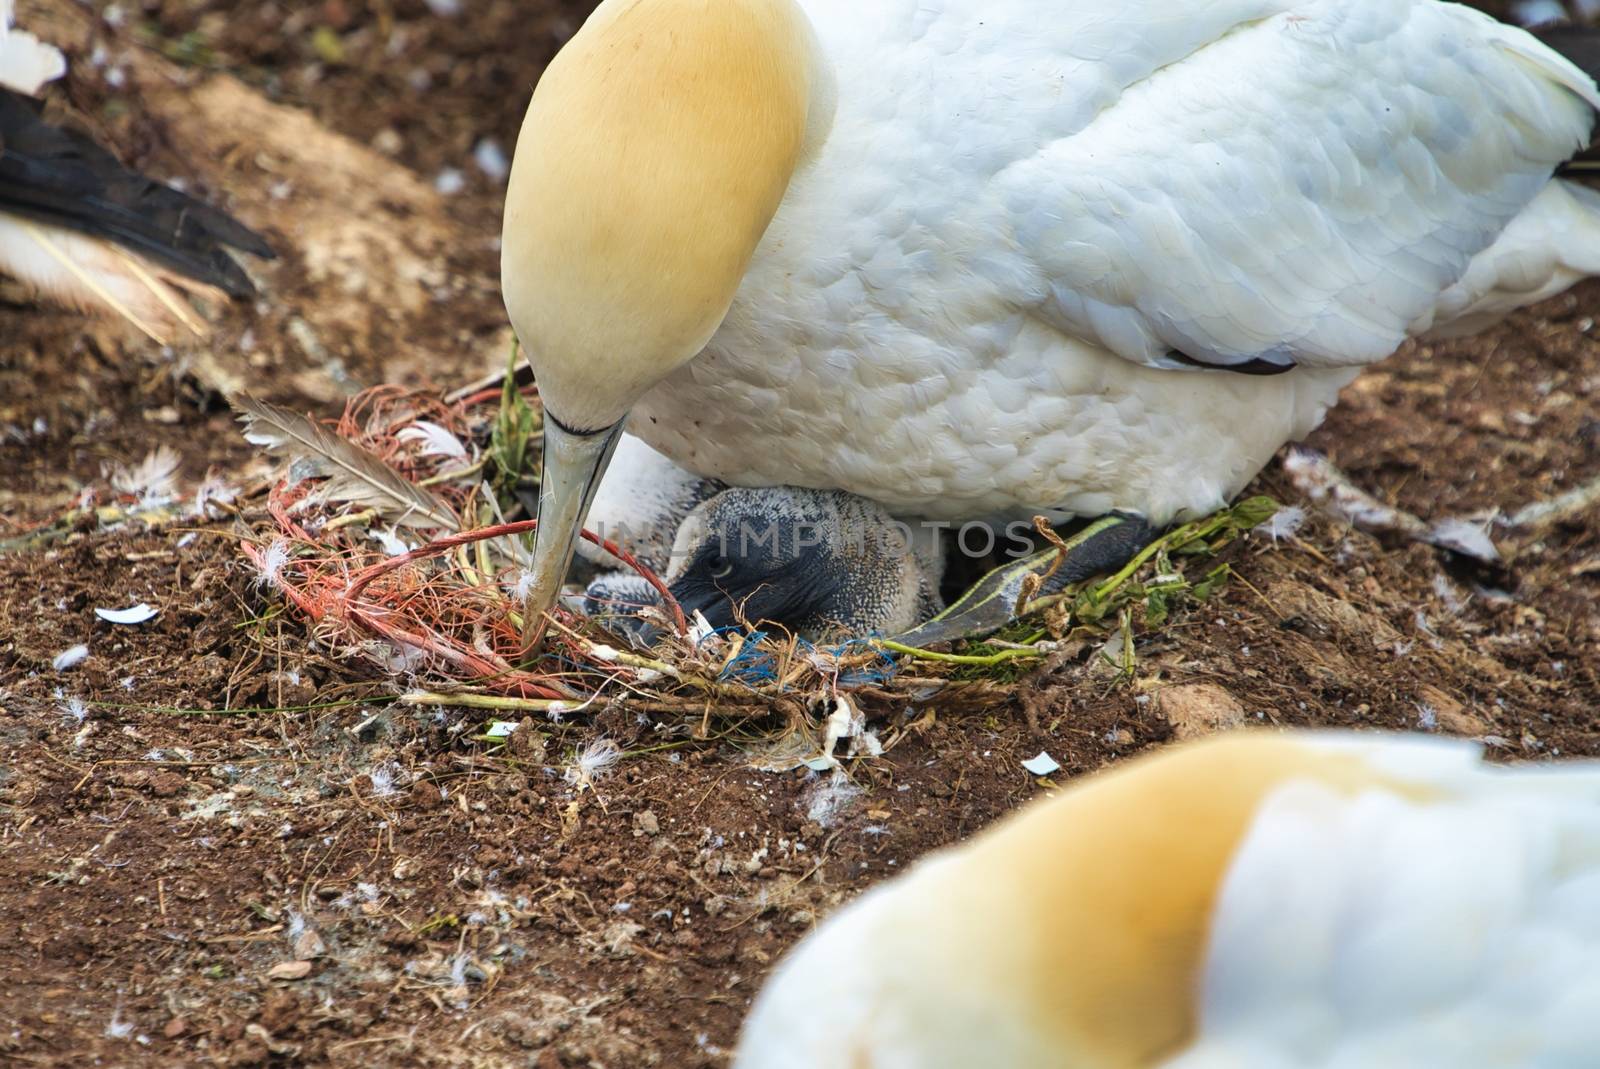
(1360,902)
(966,302)
(1376,931)
(26,63)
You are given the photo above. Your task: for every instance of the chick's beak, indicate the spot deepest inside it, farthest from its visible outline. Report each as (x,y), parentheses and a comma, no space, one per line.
(574,462)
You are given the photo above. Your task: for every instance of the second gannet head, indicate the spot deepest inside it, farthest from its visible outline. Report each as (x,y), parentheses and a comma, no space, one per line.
(654,154)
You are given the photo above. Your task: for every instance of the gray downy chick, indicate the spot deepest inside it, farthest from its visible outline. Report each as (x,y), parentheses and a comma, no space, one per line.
(817,562)
(641,503)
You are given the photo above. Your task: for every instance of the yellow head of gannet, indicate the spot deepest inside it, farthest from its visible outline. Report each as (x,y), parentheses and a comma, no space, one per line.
(654,153)
(1293,899)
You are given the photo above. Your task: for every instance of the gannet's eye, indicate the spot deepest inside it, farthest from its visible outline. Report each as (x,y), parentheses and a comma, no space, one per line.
(720,567)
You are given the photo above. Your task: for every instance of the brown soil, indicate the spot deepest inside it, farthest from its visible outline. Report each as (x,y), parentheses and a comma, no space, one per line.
(218,846)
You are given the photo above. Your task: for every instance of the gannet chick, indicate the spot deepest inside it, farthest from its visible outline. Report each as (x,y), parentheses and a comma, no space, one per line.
(78,227)
(642,502)
(1255,900)
(817,562)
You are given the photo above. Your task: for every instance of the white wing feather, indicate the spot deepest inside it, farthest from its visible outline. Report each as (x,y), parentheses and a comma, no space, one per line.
(1379,931)
(26,63)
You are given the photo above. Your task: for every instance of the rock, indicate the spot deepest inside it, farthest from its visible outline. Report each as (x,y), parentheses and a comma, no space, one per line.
(289,970)
(166,784)
(645,823)
(309,945)
(1198,709)
(176,1028)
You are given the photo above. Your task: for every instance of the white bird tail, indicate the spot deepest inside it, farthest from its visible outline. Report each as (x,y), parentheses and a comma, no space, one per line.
(1553,245)
(88,274)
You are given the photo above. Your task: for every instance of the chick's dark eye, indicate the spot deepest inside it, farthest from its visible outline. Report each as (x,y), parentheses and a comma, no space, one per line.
(719,567)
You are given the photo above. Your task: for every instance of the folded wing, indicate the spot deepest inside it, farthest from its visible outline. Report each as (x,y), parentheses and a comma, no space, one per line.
(1300,190)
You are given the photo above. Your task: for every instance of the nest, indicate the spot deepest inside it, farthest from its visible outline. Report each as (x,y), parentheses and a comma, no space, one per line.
(427,585)
(389,536)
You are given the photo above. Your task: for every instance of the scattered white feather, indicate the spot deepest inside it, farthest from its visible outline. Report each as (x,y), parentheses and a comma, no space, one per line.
(153,479)
(70,657)
(272,562)
(1041,764)
(521,583)
(386,778)
(26,63)
(449,182)
(1448,593)
(1285,523)
(135,614)
(73,707)
(213,490)
(390,540)
(592,761)
(118,1028)
(491,159)
(436,440)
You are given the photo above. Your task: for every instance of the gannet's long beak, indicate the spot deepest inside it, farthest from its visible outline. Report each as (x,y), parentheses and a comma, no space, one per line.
(574,462)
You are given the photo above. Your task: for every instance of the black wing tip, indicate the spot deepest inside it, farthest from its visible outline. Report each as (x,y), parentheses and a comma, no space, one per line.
(60,175)
(1254,366)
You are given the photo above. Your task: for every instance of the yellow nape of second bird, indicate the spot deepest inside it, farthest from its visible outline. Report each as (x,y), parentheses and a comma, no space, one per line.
(1295,899)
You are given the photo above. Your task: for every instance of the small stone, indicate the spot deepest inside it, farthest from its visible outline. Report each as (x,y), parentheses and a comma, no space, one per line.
(645,823)
(289,970)
(425,795)
(166,784)
(1198,709)
(309,945)
(176,1027)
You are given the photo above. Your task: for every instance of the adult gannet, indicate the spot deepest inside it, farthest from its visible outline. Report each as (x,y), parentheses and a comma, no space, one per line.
(79,227)
(1272,901)
(974,258)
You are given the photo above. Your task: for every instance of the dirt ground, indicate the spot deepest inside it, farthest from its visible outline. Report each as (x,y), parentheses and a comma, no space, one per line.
(220,846)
